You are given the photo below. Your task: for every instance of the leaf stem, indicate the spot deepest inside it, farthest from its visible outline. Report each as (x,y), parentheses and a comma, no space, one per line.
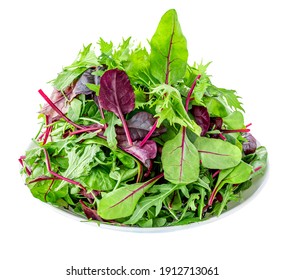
(86,129)
(127,133)
(54,107)
(21,160)
(149,134)
(235,130)
(190,92)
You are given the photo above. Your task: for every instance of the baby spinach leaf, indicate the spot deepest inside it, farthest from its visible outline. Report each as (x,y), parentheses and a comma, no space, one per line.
(239,174)
(180,159)
(168,57)
(217,154)
(121,202)
(235,120)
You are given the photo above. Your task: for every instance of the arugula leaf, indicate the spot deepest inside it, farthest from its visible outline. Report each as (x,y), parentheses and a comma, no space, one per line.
(236,175)
(147,202)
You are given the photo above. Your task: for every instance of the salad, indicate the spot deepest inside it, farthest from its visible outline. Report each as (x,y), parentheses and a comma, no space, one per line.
(135,136)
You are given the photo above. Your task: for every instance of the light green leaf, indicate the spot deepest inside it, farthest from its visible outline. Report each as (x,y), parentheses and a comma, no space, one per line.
(80,163)
(121,202)
(74,110)
(217,154)
(112,120)
(180,159)
(228,95)
(85,59)
(235,120)
(98,179)
(168,57)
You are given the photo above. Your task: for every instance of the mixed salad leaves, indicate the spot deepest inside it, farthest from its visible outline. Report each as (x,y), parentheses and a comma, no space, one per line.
(138,137)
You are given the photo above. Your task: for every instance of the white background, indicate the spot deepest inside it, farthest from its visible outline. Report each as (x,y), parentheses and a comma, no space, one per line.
(244,39)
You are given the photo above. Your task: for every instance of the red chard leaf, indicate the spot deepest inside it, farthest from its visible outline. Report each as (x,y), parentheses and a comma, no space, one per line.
(201,117)
(250,146)
(86,78)
(144,154)
(116,95)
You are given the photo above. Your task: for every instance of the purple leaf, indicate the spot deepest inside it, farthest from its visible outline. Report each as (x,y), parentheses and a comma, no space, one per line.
(144,154)
(139,125)
(216,123)
(201,117)
(117,96)
(90,213)
(250,146)
(86,78)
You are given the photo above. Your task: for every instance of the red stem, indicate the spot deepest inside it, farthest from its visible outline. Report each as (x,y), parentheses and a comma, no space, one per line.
(257,168)
(190,92)
(42,178)
(54,107)
(47,131)
(216,173)
(57,175)
(21,160)
(222,137)
(86,129)
(127,133)
(212,196)
(50,186)
(149,134)
(235,130)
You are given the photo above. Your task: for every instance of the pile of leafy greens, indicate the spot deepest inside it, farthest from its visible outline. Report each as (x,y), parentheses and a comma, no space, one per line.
(140,138)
